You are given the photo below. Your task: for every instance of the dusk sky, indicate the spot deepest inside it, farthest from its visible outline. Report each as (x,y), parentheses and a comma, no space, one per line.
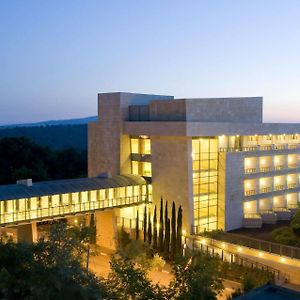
(55,56)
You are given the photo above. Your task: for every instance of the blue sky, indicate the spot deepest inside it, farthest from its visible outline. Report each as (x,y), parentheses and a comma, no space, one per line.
(55,56)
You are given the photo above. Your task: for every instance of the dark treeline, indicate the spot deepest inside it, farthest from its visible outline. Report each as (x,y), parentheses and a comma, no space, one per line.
(22,158)
(56,137)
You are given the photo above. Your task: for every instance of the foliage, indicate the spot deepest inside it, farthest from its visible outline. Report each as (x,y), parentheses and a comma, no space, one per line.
(284,235)
(149,234)
(56,137)
(173,232)
(145,224)
(179,232)
(129,281)
(196,278)
(155,229)
(137,230)
(50,269)
(124,238)
(157,262)
(247,276)
(21,158)
(161,228)
(295,223)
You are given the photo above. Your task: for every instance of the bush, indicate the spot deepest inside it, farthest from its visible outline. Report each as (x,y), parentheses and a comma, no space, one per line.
(284,235)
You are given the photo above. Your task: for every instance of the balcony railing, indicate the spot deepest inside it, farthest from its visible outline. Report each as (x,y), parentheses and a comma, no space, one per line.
(250,170)
(261,148)
(250,192)
(279,167)
(265,190)
(279,187)
(292,185)
(265,169)
(252,216)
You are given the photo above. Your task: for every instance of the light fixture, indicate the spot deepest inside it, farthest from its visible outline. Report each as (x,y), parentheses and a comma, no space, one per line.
(260,254)
(239,249)
(282,259)
(262,161)
(247,205)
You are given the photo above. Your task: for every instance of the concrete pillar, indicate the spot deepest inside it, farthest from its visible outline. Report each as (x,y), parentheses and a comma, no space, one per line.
(106,229)
(27,233)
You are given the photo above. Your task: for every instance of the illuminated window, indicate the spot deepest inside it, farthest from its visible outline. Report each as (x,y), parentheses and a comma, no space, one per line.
(135,146)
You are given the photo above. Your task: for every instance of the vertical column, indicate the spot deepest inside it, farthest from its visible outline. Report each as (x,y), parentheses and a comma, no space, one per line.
(27,233)
(106,229)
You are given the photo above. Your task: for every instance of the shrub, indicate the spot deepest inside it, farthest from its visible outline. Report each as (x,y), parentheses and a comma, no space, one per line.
(284,235)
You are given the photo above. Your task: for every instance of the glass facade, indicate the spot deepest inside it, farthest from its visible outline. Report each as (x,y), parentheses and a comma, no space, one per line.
(205,183)
(27,209)
(141,156)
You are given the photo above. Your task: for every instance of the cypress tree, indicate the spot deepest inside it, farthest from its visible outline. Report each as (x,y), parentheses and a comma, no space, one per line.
(167,239)
(166,224)
(137,226)
(179,232)
(149,230)
(173,234)
(155,229)
(145,224)
(161,228)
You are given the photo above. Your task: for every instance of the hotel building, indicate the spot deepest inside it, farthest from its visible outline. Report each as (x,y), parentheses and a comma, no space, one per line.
(214,157)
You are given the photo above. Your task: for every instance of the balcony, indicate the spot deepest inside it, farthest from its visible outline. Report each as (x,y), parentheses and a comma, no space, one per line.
(279,187)
(278,168)
(261,148)
(250,192)
(292,166)
(265,169)
(250,170)
(292,185)
(265,190)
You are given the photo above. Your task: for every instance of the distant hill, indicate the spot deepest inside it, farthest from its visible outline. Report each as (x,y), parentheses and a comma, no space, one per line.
(55,122)
(56,137)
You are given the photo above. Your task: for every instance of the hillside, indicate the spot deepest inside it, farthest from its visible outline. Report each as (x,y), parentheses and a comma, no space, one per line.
(56,137)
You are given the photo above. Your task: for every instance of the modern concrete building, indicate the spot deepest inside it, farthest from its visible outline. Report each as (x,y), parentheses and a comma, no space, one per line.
(214,157)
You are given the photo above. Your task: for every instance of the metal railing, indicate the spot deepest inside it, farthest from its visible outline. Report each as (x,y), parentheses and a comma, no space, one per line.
(194,243)
(271,247)
(250,192)
(260,148)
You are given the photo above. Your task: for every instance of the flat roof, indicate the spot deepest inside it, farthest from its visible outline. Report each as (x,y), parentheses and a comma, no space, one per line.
(55,187)
(183,128)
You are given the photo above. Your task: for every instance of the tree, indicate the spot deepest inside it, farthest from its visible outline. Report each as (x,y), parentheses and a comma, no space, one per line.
(155,229)
(179,232)
(167,239)
(149,230)
(137,231)
(49,269)
(129,281)
(166,221)
(145,224)
(197,278)
(173,233)
(161,228)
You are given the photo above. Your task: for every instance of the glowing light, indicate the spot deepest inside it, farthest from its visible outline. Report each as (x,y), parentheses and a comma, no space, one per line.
(247,162)
(288,197)
(262,181)
(203,241)
(239,249)
(248,185)
(183,232)
(223,245)
(275,200)
(276,160)
(75,221)
(277,179)
(247,205)
(260,254)
(262,161)
(282,259)
(289,178)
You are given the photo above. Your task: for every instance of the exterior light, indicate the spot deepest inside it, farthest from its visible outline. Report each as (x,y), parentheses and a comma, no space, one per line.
(277,180)
(247,162)
(247,205)
(203,241)
(223,245)
(289,178)
(282,259)
(263,161)
(275,200)
(262,181)
(248,185)
(288,197)
(183,232)
(260,254)
(75,221)
(239,249)
(276,159)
